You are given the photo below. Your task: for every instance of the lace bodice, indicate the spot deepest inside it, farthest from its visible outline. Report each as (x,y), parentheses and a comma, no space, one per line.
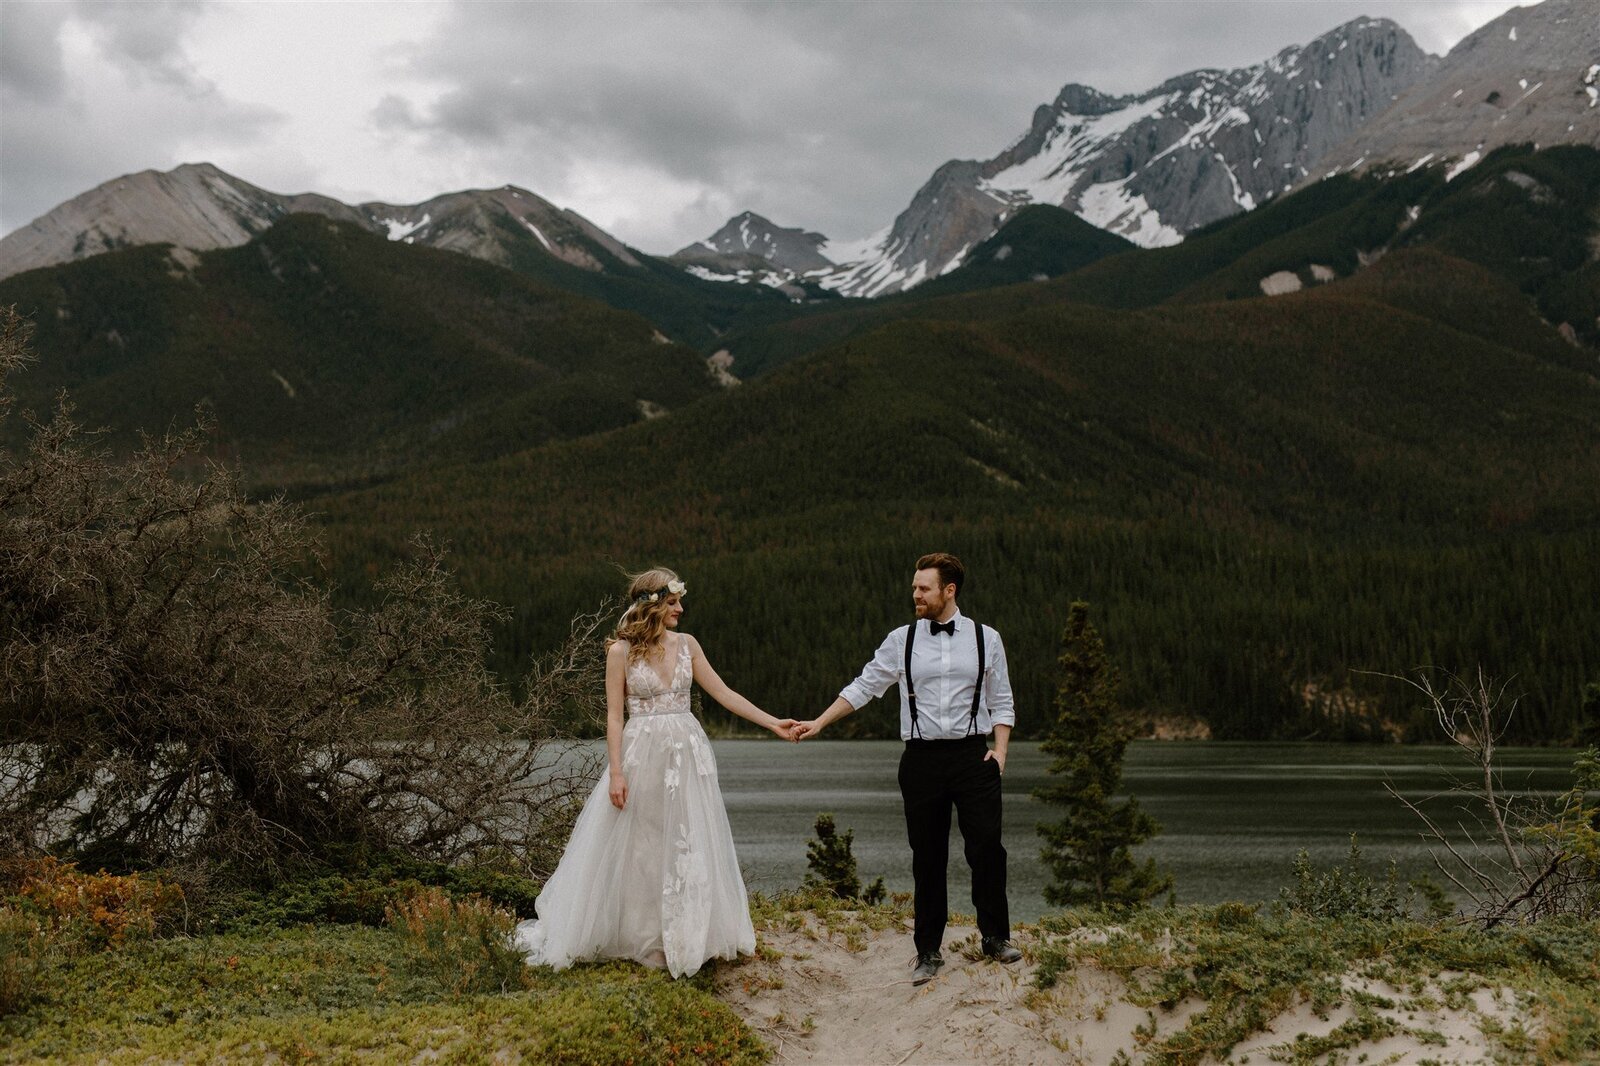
(646,694)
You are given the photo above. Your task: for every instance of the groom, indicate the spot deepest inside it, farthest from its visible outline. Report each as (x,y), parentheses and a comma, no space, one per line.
(954,691)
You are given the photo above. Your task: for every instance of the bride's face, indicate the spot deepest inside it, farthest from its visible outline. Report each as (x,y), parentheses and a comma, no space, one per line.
(674,611)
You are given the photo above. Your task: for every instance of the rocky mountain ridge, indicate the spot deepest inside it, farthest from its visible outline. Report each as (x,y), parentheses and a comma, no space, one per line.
(1531,76)
(199,207)
(1150,166)
(748,240)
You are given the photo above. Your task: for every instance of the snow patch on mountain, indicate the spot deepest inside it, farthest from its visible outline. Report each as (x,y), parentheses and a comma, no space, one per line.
(401,230)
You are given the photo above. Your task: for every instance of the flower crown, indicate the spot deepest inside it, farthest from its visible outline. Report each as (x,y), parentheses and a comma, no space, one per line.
(671,588)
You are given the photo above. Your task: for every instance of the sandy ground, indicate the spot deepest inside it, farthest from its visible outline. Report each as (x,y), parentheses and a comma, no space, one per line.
(845,997)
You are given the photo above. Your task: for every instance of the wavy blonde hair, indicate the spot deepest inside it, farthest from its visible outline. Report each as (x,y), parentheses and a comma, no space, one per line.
(644,624)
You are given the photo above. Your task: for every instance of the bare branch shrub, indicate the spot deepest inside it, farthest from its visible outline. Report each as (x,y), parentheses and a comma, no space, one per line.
(1514,857)
(172,694)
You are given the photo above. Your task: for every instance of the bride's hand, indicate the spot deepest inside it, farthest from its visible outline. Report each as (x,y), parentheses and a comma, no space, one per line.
(784,727)
(619,791)
(802,730)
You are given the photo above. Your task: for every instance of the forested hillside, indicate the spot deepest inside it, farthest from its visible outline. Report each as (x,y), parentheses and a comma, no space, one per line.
(325,353)
(1272,502)
(1263,498)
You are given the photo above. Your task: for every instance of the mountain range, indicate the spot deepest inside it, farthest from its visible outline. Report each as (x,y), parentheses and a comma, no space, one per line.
(1157,165)
(1263,494)
(198,208)
(1347,432)
(1150,167)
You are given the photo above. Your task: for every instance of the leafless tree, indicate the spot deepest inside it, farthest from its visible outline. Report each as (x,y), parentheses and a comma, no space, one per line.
(1512,856)
(173,692)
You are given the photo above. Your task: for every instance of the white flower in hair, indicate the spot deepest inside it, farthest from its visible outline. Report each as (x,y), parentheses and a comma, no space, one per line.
(654,596)
(677,588)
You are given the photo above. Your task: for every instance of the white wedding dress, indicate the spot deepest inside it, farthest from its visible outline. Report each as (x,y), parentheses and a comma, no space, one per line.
(658,880)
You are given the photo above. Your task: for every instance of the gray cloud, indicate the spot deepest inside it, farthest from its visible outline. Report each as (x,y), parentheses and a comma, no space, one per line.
(30,50)
(138,102)
(658,120)
(825,115)
(147,39)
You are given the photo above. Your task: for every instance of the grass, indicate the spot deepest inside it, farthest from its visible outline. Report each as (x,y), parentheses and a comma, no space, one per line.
(1249,967)
(347,993)
(356,993)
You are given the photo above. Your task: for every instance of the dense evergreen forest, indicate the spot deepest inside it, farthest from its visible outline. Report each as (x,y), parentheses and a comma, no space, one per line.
(1272,503)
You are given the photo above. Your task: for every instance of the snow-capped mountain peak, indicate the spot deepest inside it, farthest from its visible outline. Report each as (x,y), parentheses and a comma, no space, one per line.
(748,237)
(1152,166)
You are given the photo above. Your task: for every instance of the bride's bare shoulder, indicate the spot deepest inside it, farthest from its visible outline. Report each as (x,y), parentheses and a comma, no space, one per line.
(617,649)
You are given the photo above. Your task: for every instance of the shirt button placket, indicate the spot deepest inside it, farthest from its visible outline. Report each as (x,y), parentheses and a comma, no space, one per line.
(944,677)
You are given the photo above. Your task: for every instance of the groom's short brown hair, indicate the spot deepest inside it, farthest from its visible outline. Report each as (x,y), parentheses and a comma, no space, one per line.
(951,572)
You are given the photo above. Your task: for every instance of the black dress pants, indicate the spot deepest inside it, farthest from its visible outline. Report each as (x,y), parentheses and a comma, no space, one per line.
(934,776)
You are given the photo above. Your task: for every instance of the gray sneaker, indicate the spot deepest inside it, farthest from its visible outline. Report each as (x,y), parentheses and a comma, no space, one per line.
(928,967)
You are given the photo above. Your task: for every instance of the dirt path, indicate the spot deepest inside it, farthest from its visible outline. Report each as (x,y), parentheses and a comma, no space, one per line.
(845,997)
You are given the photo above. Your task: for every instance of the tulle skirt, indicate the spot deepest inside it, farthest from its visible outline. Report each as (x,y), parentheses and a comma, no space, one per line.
(657,881)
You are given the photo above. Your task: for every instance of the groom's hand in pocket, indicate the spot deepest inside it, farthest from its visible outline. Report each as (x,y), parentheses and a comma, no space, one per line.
(998,757)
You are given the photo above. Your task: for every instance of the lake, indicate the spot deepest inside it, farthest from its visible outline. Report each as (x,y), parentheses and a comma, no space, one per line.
(1233,815)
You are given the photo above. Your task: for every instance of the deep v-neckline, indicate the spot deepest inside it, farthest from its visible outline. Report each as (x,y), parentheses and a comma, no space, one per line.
(672,674)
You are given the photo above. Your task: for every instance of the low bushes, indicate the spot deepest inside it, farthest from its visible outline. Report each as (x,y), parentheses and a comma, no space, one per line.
(464,943)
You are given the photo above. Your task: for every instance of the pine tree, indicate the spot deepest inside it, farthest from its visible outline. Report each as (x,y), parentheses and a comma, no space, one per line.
(1089,851)
(832,864)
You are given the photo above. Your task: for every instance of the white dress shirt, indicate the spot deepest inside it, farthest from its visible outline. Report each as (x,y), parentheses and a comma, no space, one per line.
(944,668)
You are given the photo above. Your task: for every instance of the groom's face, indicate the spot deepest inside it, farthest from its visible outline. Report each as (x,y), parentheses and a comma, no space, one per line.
(927,595)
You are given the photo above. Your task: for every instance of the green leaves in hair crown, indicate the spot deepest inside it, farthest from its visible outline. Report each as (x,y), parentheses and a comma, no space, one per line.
(671,588)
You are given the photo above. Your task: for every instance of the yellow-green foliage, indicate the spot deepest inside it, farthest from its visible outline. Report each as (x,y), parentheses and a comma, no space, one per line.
(357,993)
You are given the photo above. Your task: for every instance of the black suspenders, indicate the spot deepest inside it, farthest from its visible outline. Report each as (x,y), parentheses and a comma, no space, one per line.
(911,689)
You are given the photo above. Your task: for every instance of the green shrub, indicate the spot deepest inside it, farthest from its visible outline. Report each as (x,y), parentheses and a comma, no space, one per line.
(465,944)
(97,910)
(362,888)
(1349,891)
(22,948)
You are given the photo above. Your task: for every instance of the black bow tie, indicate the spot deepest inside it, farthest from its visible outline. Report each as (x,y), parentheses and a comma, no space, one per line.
(947,628)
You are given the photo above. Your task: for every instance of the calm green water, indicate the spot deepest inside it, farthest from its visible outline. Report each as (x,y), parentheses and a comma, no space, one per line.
(1233,815)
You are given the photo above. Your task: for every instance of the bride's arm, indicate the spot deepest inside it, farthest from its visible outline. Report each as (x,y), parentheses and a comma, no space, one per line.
(616,696)
(718,690)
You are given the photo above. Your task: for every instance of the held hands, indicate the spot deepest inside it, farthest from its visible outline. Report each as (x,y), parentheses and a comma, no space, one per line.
(619,790)
(783,727)
(801,730)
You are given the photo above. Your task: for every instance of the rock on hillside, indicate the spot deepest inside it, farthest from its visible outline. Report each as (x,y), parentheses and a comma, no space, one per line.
(1530,76)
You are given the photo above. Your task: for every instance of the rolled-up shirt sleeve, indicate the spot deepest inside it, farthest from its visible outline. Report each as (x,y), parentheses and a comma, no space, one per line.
(879,674)
(997,686)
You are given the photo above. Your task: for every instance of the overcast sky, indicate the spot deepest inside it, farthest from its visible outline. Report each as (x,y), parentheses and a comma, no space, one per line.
(657,121)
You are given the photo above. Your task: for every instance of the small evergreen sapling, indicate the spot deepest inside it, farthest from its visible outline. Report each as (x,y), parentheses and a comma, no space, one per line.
(1089,851)
(832,864)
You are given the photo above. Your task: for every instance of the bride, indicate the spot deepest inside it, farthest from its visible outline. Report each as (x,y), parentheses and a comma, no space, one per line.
(649,873)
